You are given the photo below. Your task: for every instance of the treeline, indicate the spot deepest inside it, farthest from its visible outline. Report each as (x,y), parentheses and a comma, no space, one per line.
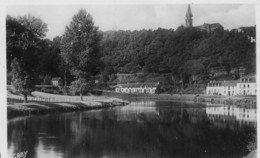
(27,48)
(184,53)
(83,52)
(32,59)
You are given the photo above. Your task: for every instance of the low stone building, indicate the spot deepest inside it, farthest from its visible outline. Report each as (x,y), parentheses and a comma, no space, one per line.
(134,88)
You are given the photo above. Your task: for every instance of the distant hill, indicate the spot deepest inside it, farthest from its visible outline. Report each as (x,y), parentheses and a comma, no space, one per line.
(187,54)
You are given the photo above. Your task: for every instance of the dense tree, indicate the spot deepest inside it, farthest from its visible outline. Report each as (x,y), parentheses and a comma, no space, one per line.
(80,49)
(23,45)
(184,53)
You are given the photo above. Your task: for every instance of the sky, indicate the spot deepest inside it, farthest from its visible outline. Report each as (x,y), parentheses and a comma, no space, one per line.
(139,16)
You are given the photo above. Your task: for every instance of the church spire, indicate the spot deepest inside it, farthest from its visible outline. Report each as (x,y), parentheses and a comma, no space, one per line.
(189,17)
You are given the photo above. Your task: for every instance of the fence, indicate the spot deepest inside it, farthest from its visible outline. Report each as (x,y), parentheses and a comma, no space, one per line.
(40,99)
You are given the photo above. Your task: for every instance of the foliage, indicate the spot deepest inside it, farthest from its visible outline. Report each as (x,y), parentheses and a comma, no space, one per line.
(186,53)
(21,80)
(80,49)
(81,85)
(23,44)
(46,80)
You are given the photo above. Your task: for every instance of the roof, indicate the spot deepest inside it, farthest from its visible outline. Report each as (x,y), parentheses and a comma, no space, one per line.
(224,83)
(56,79)
(43,86)
(135,85)
(216,24)
(189,13)
(230,83)
(251,77)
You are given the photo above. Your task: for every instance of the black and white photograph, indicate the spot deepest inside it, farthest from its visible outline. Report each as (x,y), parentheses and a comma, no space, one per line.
(129,80)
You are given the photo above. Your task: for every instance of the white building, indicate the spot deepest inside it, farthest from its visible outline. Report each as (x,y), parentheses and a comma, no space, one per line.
(56,81)
(226,88)
(247,85)
(137,88)
(244,86)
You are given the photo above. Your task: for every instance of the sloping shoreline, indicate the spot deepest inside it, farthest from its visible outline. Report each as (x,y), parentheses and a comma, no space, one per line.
(72,103)
(35,108)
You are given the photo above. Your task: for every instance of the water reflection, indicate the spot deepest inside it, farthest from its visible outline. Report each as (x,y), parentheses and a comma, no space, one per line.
(242,116)
(141,129)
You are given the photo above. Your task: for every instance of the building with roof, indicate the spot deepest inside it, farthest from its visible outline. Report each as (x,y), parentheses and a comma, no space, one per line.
(135,88)
(205,27)
(56,81)
(247,85)
(244,86)
(210,27)
(227,88)
(189,16)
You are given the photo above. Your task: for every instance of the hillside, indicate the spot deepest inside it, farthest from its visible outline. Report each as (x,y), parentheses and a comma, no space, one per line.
(186,54)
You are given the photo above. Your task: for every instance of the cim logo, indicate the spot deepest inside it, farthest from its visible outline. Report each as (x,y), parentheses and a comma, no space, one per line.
(20,154)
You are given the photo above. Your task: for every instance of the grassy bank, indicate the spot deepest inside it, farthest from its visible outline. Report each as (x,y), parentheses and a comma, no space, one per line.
(71,103)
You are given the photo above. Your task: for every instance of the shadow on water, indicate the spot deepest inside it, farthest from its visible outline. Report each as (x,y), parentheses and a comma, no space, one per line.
(141,129)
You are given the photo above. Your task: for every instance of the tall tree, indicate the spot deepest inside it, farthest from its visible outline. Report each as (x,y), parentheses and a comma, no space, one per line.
(23,42)
(80,49)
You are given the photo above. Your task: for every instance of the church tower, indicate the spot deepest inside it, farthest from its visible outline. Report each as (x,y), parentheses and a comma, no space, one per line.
(189,17)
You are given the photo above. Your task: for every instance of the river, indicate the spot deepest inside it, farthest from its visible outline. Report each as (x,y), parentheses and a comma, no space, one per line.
(140,129)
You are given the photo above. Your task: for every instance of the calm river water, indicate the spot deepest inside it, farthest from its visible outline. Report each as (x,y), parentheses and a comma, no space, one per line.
(140,129)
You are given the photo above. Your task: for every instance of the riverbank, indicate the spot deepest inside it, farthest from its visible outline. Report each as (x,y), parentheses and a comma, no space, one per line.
(155,97)
(71,103)
(241,101)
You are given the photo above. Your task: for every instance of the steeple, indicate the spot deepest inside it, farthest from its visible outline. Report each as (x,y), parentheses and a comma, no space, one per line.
(189,17)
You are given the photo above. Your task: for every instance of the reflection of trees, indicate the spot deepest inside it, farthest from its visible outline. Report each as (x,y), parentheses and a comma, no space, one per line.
(176,132)
(21,136)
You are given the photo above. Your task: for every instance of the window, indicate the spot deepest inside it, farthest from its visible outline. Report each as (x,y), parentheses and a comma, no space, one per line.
(244,86)
(248,86)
